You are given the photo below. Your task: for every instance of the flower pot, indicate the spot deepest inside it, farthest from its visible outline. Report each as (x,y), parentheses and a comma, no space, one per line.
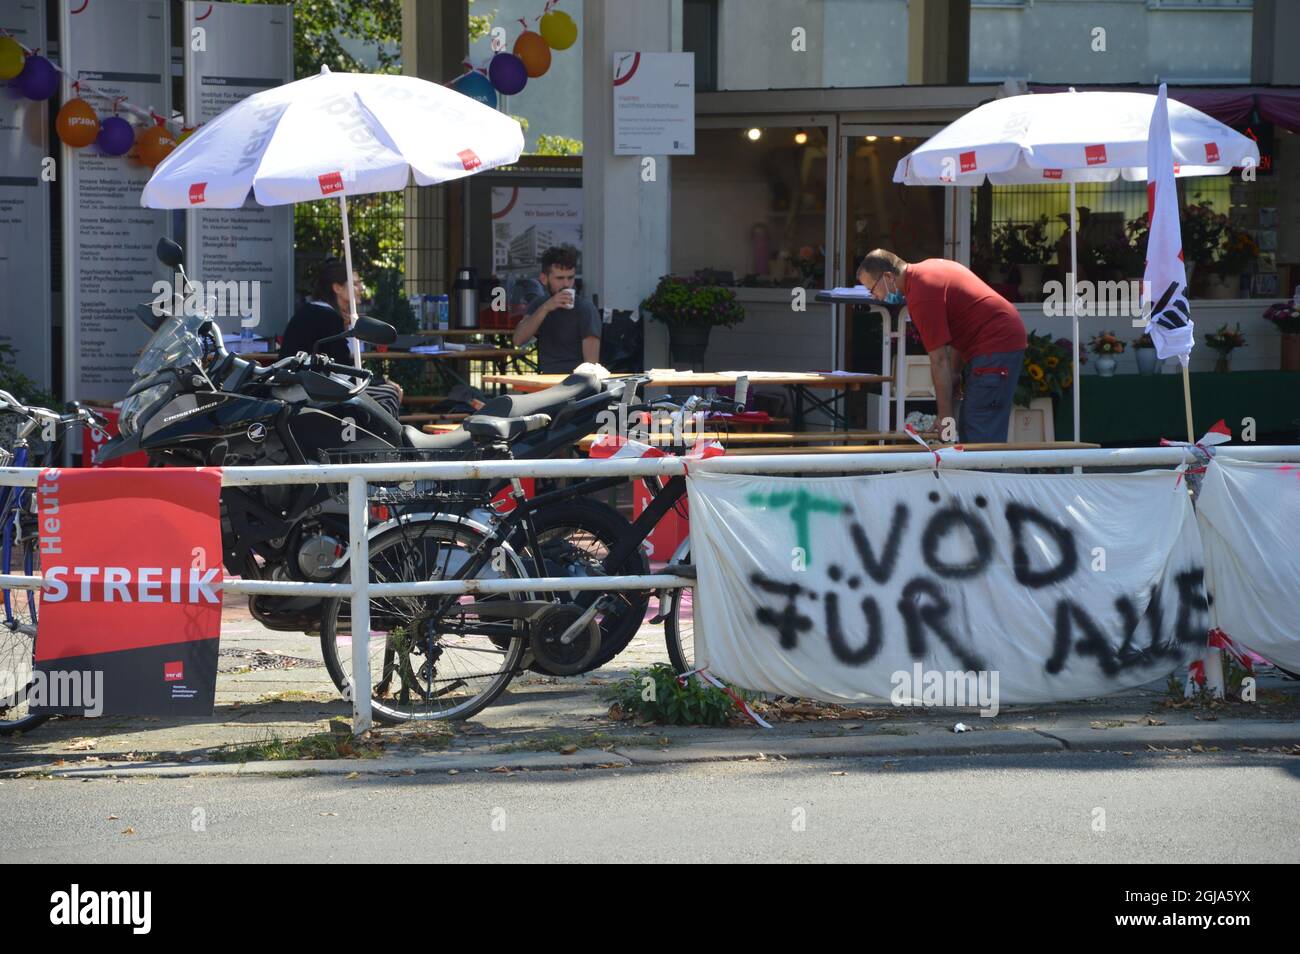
(687,344)
(1223,364)
(1031,282)
(1106,366)
(1147,361)
(1291,352)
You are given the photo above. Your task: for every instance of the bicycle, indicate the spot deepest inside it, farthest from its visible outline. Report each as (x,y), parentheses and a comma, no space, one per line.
(19,546)
(424,660)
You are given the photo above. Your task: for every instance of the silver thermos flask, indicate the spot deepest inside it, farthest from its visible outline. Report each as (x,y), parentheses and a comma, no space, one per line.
(466,296)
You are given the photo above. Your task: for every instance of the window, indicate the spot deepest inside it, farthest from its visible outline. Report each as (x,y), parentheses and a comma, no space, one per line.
(749,208)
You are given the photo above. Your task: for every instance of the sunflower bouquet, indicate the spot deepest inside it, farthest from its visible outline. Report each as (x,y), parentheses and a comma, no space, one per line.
(1047,369)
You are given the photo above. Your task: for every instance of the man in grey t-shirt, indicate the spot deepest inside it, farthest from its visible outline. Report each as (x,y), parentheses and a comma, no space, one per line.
(567,327)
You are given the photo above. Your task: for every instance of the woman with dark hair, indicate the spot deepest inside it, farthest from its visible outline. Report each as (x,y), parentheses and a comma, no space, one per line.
(322,316)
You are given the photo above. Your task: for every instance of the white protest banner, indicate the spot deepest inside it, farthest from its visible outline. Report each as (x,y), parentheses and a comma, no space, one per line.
(1164,282)
(1248,514)
(1059,586)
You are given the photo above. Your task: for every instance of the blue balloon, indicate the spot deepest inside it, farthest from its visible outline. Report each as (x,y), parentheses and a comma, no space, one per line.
(476,86)
(38,80)
(508,73)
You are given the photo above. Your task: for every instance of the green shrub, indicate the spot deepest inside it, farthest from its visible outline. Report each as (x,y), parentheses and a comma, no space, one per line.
(655,694)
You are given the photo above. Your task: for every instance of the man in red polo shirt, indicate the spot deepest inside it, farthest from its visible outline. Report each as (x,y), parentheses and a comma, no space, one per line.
(975,337)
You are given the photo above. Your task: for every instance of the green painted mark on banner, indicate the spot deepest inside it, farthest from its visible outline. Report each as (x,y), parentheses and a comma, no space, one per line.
(802,506)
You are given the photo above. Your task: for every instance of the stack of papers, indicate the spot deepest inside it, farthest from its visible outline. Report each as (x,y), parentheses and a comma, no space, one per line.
(240,345)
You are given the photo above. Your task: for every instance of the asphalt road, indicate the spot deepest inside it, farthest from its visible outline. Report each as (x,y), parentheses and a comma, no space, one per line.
(1162,807)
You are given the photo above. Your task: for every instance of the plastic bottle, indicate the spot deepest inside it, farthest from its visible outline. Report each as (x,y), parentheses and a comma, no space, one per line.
(444,312)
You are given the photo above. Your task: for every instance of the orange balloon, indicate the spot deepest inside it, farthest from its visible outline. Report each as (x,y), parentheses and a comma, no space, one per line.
(154,145)
(77,124)
(535,52)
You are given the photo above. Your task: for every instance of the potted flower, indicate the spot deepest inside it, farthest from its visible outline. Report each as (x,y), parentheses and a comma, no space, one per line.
(1144,349)
(1285,316)
(1105,346)
(1047,372)
(1237,257)
(1225,342)
(1025,246)
(691,309)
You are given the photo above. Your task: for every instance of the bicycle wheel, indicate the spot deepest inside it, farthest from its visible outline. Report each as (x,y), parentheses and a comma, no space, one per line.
(575,537)
(18,635)
(429,659)
(679,625)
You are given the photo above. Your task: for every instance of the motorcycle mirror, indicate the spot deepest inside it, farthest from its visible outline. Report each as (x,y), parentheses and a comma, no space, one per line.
(169,253)
(373,331)
(151,314)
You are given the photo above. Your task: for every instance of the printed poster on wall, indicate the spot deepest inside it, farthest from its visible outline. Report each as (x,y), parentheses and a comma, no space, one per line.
(859,588)
(234,50)
(526,221)
(25,208)
(654,104)
(109,266)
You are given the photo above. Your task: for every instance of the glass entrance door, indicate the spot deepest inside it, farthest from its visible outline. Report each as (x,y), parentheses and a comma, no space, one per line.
(916,222)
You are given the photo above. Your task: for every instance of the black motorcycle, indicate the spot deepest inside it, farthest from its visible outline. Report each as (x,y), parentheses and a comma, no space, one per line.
(195,404)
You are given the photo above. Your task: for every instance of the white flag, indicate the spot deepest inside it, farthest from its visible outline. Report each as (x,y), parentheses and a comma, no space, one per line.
(1164,286)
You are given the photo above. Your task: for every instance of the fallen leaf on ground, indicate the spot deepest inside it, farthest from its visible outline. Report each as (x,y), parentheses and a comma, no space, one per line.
(501,769)
(128,831)
(1152,721)
(453,771)
(568,749)
(80,745)
(352,775)
(839,773)
(330,814)
(112,818)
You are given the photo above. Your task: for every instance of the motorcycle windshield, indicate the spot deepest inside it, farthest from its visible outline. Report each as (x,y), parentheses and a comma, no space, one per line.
(176,343)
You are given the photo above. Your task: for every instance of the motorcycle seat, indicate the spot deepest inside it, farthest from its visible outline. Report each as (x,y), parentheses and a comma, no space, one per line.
(452,440)
(491,429)
(552,401)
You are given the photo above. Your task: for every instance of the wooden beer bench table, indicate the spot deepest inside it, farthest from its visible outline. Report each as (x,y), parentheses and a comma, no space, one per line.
(800,383)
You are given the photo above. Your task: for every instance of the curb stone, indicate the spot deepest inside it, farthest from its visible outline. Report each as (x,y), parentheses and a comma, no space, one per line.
(979,742)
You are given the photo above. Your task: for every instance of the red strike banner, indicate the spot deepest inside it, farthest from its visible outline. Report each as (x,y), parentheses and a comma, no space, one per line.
(131,561)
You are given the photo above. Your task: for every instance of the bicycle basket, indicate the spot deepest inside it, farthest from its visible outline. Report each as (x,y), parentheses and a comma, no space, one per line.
(416,491)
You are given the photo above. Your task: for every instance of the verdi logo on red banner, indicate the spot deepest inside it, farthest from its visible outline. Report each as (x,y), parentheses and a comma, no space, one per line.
(197,190)
(330,182)
(967,161)
(469,159)
(1095,155)
(1211,152)
(131,566)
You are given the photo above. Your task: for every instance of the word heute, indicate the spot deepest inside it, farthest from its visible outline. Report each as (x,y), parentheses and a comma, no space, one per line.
(116,584)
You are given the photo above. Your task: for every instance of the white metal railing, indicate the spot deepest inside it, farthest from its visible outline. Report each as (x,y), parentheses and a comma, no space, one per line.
(357,476)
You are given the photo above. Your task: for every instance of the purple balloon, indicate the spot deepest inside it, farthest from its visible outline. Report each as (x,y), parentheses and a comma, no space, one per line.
(507,73)
(116,136)
(39,79)
(476,86)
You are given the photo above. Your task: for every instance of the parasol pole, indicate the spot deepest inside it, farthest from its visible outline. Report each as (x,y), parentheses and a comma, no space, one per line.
(1074,312)
(1187,398)
(352,290)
